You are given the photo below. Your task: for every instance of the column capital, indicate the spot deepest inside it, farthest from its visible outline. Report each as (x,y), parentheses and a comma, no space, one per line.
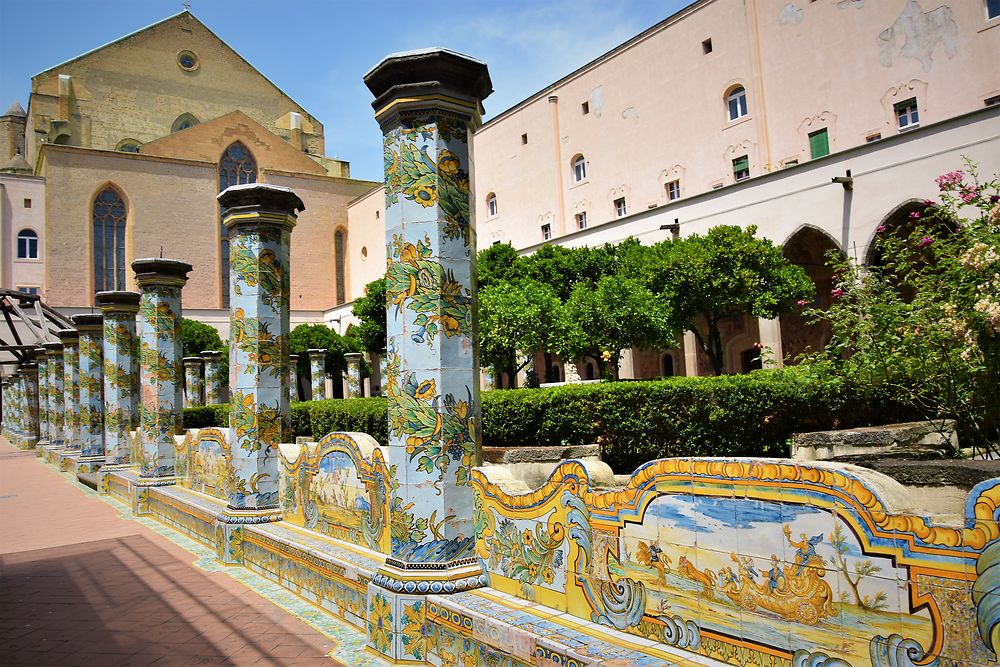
(192,361)
(209,354)
(68,336)
(316,352)
(117,302)
(251,202)
(158,271)
(88,322)
(428,79)
(352,356)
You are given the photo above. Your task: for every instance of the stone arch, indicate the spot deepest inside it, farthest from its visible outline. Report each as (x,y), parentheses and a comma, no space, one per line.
(896,221)
(809,247)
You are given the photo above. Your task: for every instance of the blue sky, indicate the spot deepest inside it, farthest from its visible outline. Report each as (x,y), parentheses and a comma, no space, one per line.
(318,50)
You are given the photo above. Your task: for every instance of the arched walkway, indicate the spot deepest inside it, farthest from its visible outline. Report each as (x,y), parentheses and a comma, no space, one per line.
(809,247)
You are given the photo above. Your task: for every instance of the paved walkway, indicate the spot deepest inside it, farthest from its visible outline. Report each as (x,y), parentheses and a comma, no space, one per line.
(81,585)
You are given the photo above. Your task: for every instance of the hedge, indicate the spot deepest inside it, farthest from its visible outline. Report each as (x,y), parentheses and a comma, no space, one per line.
(731,415)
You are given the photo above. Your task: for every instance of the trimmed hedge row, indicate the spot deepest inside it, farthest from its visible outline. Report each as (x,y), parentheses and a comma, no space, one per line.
(731,415)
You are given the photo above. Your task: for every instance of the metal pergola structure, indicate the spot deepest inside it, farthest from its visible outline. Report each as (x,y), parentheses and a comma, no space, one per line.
(27,323)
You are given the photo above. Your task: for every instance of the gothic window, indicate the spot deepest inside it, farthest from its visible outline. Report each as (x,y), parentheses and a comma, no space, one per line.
(109,218)
(236,166)
(339,258)
(183,122)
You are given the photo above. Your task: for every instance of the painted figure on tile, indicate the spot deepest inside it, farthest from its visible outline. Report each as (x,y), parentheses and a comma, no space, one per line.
(651,555)
(806,549)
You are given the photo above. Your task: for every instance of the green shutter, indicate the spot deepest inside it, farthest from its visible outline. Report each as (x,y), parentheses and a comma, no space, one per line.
(741,164)
(819,143)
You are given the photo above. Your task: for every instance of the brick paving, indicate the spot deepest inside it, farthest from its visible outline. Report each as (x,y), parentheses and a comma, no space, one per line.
(80,585)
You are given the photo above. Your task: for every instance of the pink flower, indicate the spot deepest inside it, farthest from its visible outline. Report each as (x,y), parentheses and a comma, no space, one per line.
(914,215)
(968,194)
(949,180)
(924,242)
(758,346)
(928,202)
(802,302)
(837,293)
(880,229)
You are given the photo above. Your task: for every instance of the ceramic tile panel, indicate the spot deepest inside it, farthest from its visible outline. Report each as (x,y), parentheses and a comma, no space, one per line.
(90,408)
(193,384)
(317,374)
(121,373)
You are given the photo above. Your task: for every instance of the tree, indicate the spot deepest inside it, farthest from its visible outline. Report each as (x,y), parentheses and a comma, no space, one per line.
(924,321)
(862,568)
(726,272)
(619,312)
(306,337)
(370,310)
(517,317)
(198,337)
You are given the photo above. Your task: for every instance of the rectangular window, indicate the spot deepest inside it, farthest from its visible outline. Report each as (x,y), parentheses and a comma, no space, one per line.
(741,168)
(819,143)
(546,232)
(585,108)
(906,114)
(27,290)
(524,138)
(27,203)
(992,101)
(789,163)
(706,46)
(673,190)
(873,137)
(620,209)
(992,9)
(581,220)
(717,186)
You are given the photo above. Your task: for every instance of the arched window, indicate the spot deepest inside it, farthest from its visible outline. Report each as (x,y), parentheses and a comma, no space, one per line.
(579,168)
(183,122)
(27,244)
(737,103)
(109,240)
(236,166)
(128,146)
(491,204)
(340,264)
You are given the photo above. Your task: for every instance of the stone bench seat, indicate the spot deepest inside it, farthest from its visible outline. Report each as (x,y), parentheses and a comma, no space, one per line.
(535,633)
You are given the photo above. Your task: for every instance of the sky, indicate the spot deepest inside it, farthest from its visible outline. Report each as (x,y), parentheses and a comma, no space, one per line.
(317,51)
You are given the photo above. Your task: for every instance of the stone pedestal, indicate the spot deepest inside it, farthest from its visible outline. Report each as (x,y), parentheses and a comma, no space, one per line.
(192,382)
(160,281)
(427,104)
(317,374)
(352,378)
(121,374)
(90,408)
(213,376)
(57,401)
(70,340)
(259,219)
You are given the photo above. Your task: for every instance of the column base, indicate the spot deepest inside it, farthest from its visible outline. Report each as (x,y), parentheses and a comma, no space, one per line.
(455,576)
(236,516)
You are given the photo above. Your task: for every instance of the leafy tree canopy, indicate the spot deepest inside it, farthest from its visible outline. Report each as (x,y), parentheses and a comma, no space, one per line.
(370,310)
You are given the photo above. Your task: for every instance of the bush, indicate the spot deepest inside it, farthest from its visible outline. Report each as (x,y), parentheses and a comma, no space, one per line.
(636,422)
(205,416)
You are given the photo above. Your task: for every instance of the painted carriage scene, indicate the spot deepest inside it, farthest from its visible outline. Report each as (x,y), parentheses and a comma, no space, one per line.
(425,548)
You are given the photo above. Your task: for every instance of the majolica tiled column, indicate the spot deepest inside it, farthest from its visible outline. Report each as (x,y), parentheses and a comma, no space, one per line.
(43,398)
(192,382)
(70,339)
(260,219)
(91,404)
(15,409)
(427,104)
(293,377)
(213,376)
(317,373)
(29,376)
(57,399)
(160,400)
(121,374)
(353,375)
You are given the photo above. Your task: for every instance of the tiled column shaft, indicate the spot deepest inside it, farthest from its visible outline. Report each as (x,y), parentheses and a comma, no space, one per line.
(259,219)
(427,104)
(71,386)
(57,400)
(161,281)
(213,376)
(29,374)
(43,395)
(91,406)
(192,382)
(293,377)
(353,378)
(317,373)
(121,373)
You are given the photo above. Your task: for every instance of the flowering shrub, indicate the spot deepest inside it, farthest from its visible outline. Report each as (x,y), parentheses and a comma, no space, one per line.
(924,321)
